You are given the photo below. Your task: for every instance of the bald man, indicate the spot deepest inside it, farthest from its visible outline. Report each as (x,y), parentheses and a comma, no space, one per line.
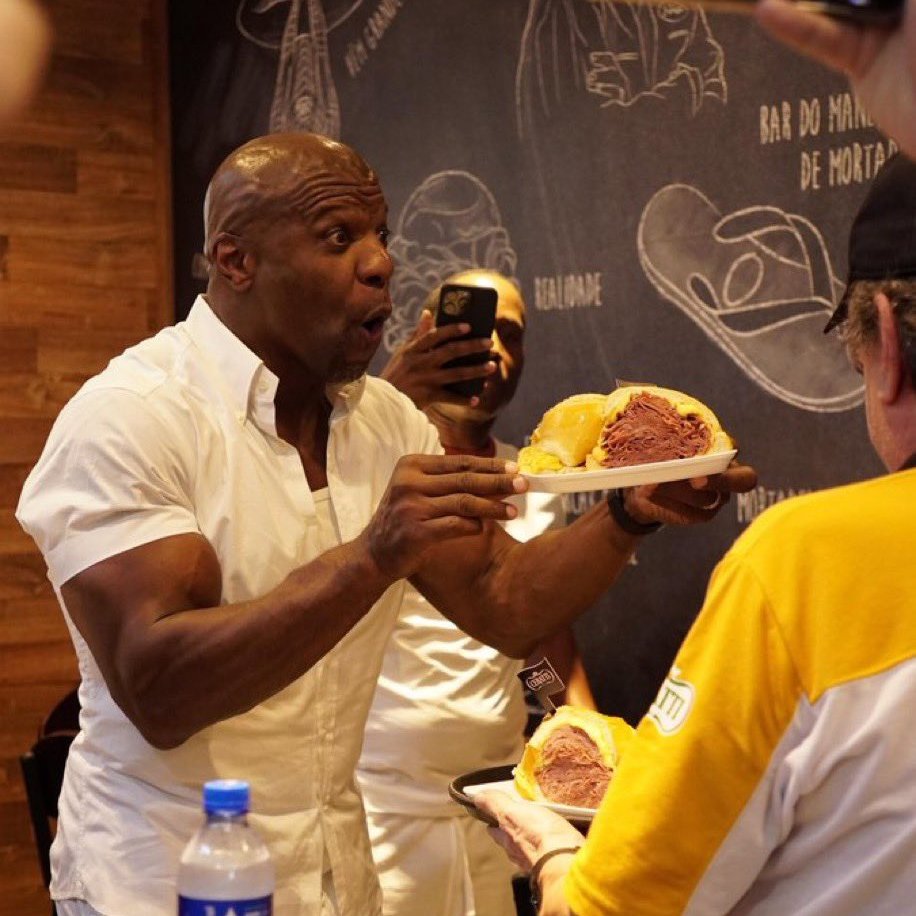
(446,704)
(228,513)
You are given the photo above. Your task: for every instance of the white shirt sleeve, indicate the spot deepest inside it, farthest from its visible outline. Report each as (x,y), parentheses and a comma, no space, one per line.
(115,474)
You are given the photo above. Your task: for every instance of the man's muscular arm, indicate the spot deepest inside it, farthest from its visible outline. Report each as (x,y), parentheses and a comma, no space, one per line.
(154,623)
(175,660)
(513,595)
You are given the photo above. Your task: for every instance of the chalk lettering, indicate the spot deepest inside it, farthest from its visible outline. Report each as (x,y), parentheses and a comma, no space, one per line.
(775,123)
(567,291)
(374,28)
(845,112)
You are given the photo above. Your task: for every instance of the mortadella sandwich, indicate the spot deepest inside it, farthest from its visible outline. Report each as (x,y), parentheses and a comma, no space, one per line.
(634,424)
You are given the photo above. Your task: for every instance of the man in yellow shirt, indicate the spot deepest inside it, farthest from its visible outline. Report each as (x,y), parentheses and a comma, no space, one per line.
(776,772)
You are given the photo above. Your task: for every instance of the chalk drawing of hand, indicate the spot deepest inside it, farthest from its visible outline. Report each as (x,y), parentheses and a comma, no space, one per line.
(616,52)
(606,76)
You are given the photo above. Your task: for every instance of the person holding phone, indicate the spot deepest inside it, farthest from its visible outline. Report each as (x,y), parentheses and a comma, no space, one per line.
(446,704)
(880,60)
(775,773)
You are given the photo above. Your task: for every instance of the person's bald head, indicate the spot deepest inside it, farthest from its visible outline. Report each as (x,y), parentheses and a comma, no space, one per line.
(280,176)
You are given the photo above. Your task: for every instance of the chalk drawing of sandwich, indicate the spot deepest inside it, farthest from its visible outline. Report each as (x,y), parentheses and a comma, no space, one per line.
(450,222)
(760,285)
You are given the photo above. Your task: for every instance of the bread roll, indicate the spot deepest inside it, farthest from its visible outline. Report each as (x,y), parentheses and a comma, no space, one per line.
(566,434)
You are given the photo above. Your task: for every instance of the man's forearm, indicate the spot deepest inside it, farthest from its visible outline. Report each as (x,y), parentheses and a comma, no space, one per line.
(192,668)
(553,901)
(549,581)
(522,593)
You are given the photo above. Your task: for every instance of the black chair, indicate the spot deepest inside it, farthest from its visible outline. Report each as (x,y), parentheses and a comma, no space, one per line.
(43,774)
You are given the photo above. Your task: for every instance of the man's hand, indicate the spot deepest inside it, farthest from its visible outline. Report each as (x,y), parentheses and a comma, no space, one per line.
(686,502)
(417,370)
(432,498)
(526,831)
(879,61)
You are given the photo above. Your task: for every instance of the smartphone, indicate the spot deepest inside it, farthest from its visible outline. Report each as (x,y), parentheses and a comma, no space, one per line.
(476,306)
(875,12)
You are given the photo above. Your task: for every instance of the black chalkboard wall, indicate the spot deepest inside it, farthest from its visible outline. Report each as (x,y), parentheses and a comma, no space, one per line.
(671,190)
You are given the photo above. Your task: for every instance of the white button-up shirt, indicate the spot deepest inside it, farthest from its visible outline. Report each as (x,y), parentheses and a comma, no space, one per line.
(178,435)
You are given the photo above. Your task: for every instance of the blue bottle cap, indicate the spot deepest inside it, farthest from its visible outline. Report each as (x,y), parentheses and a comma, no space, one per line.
(226,796)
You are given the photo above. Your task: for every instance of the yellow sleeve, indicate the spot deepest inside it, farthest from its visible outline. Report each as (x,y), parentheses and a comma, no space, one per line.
(698,755)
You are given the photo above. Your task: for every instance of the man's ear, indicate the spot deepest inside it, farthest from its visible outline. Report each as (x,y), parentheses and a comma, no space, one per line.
(891,367)
(233,262)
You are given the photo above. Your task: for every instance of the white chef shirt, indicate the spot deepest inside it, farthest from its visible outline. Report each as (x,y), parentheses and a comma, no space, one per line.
(178,435)
(445,703)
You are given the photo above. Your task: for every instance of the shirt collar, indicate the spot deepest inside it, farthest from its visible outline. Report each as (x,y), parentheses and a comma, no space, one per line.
(346,397)
(237,365)
(252,385)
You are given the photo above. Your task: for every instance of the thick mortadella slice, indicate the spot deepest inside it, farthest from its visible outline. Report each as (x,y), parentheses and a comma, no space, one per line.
(573,771)
(651,429)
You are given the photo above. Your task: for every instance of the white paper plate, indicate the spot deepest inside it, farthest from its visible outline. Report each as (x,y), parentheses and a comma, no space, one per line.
(570,812)
(631,476)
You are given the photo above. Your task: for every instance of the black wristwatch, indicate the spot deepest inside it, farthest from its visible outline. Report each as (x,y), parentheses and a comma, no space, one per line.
(624,519)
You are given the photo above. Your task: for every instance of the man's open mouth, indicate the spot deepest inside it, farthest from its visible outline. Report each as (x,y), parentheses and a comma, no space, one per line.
(374,325)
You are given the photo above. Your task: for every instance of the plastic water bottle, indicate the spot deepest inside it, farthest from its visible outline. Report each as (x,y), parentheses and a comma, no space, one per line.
(225,869)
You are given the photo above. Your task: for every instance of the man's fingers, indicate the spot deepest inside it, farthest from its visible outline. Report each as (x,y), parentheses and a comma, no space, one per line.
(464,373)
(426,323)
(447,475)
(682,492)
(466,505)
(736,478)
(836,44)
(453,464)
(453,349)
(467,483)
(493,802)
(435,336)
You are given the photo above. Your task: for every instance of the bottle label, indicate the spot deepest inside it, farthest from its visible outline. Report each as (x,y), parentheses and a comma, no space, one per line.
(262,906)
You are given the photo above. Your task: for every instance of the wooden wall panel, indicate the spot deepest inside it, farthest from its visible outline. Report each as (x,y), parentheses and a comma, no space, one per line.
(85,271)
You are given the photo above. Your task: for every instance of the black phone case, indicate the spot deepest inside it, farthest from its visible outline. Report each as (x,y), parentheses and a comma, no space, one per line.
(476,306)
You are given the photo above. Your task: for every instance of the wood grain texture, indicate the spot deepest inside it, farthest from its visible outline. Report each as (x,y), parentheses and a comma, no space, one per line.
(37,168)
(85,271)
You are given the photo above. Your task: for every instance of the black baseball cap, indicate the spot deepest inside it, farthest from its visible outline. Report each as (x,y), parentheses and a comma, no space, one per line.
(882,241)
